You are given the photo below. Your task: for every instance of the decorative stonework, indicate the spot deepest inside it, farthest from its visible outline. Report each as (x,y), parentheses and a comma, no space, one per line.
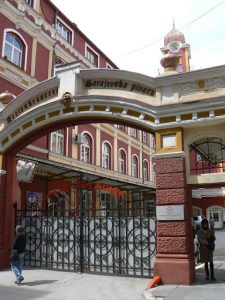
(202,85)
(170,165)
(171,229)
(172,180)
(172,245)
(171,196)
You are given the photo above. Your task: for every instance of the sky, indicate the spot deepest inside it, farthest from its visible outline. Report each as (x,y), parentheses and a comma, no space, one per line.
(131,32)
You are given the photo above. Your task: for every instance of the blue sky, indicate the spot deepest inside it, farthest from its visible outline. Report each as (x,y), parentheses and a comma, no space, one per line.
(121,27)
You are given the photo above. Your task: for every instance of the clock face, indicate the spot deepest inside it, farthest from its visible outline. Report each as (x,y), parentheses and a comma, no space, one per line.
(174,46)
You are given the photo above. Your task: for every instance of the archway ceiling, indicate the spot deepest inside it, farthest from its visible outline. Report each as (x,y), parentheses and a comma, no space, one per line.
(211,148)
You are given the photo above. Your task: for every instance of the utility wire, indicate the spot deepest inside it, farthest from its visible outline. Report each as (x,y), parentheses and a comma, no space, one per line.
(159,39)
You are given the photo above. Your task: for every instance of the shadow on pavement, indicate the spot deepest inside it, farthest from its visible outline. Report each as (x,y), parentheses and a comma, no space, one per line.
(20,293)
(38,282)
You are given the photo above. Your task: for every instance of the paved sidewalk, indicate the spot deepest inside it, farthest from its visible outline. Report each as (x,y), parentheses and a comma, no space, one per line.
(58,285)
(201,290)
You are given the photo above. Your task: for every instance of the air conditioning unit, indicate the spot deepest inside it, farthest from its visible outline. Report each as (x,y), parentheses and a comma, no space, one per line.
(78,139)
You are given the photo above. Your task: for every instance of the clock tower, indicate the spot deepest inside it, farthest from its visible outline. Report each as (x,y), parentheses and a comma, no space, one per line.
(176,52)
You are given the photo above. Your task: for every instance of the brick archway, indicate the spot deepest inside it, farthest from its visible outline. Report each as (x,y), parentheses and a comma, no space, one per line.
(77,96)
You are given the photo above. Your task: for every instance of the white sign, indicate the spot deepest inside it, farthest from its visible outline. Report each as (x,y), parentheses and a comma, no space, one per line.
(214,192)
(169,212)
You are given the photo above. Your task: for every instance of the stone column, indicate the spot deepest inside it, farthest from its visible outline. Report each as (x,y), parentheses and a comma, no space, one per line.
(175,252)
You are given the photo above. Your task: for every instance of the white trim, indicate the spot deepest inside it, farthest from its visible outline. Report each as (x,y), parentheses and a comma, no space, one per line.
(126,160)
(92,49)
(38,149)
(92,145)
(8,30)
(110,155)
(148,170)
(138,167)
(67,141)
(108,66)
(67,27)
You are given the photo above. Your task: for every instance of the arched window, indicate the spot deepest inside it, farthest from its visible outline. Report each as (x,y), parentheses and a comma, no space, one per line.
(145,170)
(122,162)
(86,149)
(134,167)
(13,49)
(106,156)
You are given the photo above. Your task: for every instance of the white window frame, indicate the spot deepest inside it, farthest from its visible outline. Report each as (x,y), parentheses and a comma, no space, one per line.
(92,50)
(108,66)
(144,137)
(57,136)
(85,147)
(133,132)
(199,157)
(134,167)
(24,48)
(106,157)
(67,27)
(122,161)
(145,170)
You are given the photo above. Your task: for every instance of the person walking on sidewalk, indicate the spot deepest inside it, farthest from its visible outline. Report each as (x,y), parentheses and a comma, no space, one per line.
(19,244)
(206,238)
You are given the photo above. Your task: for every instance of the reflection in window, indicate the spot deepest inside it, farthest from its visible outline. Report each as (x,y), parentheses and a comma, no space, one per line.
(86,149)
(91,56)
(106,155)
(13,49)
(122,162)
(134,171)
(57,142)
(64,31)
(145,170)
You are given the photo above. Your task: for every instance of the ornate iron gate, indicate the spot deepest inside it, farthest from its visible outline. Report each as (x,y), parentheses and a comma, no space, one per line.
(116,240)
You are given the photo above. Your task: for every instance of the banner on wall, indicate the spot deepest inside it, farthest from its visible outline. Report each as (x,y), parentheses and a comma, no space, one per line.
(33,203)
(25,170)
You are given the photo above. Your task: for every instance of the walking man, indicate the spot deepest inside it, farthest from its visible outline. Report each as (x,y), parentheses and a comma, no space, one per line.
(19,244)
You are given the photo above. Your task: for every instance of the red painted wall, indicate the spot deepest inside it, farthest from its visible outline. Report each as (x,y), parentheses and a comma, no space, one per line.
(42,59)
(10,87)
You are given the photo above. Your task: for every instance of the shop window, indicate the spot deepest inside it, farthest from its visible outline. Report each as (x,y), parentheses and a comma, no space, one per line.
(106,204)
(86,149)
(87,203)
(122,162)
(134,169)
(92,56)
(149,208)
(57,142)
(14,49)
(145,170)
(64,31)
(136,204)
(106,156)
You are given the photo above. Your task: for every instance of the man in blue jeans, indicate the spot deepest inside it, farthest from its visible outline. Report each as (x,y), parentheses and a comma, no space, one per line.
(19,244)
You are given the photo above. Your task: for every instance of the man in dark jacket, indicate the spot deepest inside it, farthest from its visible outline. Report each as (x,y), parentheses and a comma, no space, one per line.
(19,244)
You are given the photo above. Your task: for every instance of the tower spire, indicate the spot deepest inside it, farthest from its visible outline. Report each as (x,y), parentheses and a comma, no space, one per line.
(173,23)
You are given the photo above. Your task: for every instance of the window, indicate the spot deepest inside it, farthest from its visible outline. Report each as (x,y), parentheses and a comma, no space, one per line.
(106,155)
(153,173)
(144,137)
(64,31)
(106,204)
(136,204)
(133,132)
(86,149)
(92,56)
(13,49)
(122,127)
(145,170)
(57,142)
(198,157)
(122,162)
(134,171)
(87,203)
(30,2)
(152,141)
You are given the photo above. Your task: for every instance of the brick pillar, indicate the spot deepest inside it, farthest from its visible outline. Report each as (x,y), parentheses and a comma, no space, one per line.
(175,256)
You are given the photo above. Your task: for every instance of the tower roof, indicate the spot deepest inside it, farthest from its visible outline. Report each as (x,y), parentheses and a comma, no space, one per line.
(174,35)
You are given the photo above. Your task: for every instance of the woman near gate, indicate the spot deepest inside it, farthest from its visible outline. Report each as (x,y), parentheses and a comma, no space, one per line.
(206,238)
